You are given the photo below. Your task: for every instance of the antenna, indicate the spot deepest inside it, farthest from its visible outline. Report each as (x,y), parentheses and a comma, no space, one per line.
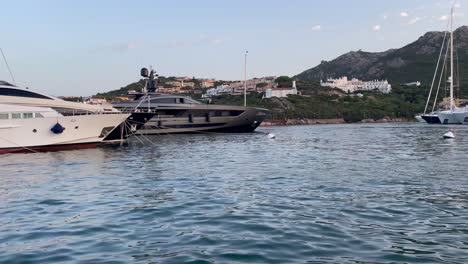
(8,66)
(451,60)
(245,78)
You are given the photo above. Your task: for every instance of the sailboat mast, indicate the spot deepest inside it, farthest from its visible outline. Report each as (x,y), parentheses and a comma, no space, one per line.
(451,60)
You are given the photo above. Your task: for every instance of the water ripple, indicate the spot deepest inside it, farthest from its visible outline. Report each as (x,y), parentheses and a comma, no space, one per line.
(380,193)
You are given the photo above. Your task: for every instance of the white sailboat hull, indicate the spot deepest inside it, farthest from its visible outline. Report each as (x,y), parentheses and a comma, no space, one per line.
(449,118)
(420,119)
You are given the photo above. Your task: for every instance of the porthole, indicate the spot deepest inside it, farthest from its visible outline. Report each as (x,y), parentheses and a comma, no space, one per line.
(34,130)
(76,127)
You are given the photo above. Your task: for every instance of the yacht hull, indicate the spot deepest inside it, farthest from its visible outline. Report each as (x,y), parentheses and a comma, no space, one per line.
(175,114)
(420,119)
(447,118)
(451,118)
(82,131)
(246,122)
(431,119)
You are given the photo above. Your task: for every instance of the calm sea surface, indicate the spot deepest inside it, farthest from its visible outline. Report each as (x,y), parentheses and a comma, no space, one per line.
(368,193)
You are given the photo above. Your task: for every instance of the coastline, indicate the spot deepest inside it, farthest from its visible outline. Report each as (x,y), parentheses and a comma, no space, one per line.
(294,122)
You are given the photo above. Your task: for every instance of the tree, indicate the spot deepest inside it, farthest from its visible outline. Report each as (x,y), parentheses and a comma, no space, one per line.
(284,81)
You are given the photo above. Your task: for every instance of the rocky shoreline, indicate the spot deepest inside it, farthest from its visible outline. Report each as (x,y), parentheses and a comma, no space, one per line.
(293,122)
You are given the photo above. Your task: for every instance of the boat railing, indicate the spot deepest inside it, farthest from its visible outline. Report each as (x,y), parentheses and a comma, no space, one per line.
(138,110)
(85,112)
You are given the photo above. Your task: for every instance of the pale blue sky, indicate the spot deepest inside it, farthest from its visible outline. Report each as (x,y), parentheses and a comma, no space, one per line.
(68,47)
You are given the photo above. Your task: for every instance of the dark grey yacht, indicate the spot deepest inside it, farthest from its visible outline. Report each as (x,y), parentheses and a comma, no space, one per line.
(182,114)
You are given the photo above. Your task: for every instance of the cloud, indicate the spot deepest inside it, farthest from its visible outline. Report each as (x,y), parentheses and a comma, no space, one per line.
(317,28)
(457,5)
(443,18)
(120,47)
(404,14)
(414,21)
(385,17)
(134,45)
(217,41)
(376,28)
(200,40)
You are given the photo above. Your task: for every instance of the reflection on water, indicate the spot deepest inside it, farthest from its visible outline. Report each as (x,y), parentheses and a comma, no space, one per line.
(380,193)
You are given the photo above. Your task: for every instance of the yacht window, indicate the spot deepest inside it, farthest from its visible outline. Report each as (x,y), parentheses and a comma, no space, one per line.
(16,116)
(27,115)
(38,115)
(3,116)
(21,93)
(191,101)
(181,100)
(164,100)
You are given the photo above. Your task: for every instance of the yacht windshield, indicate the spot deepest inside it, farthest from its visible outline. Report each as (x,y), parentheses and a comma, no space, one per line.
(21,93)
(6,83)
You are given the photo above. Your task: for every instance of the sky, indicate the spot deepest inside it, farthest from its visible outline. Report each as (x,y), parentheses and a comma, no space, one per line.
(69,47)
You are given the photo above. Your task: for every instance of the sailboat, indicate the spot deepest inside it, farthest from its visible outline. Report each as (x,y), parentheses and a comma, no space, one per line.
(453,115)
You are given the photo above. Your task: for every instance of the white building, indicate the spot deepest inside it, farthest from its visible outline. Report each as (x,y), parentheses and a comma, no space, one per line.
(218,90)
(417,83)
(281,92)
(357,85)
(237,88)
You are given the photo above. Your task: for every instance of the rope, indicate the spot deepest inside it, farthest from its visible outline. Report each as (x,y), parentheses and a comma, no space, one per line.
(440,79)
(127,124)
(131,134)
(435,73)
(142,123)
(458,72)
(8,66)
(26,148)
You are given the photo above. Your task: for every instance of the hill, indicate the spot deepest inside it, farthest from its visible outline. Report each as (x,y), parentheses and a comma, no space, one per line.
(123,91)
(139,85)
(403,102)
(413,62)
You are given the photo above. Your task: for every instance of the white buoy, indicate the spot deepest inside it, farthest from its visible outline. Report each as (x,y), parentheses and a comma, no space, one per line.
(449,135)
(271,135)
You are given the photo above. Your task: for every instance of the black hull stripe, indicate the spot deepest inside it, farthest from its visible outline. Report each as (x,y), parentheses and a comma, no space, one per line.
(45,148)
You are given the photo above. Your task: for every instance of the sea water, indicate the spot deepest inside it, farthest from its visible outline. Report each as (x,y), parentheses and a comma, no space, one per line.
(364,193)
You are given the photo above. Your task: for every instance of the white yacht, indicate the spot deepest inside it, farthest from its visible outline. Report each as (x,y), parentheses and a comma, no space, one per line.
(31,129)
(33,121)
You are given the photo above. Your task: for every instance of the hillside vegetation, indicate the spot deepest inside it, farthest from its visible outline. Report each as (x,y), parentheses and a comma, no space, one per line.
(413,62)
(402,102)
